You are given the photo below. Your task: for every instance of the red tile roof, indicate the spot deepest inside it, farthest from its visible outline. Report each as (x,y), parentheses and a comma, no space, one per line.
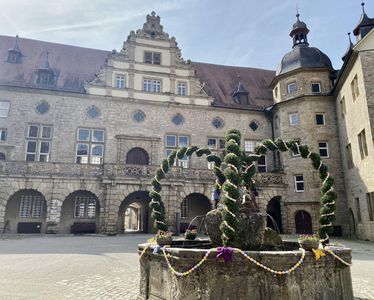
(74,65)
(222,82)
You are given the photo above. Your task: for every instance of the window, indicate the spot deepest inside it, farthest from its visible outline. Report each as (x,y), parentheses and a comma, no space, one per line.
(152,58)
(177,119)
(261,164)
(250,145)
(4,109)
(342,107)
(120,81)
(182,89)
(276,92)
(31,206)
(354,88)
(253,125)
(38,142)
(93,112)
(217,123)
(323,149)
(320,119)
(14,56)
(45,77)
(152,86)
(174,142)
(90,146)
(42,107)
(184,209)
(3,133)
(316,88)
(362,144)
(292,88)
(294,119)
(299,183)
(85,207)
(358,210)
(348,150)
(138,116)
(370,204)
(2,156)
(297,152)
(217,146)
(276,121)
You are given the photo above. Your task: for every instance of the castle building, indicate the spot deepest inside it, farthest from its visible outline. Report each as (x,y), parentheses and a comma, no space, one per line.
(82,132)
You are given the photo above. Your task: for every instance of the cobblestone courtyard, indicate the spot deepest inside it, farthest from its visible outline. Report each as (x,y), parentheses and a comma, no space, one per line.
(100,267)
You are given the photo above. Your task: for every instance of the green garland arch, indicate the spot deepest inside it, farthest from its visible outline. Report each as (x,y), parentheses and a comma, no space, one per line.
(239,173)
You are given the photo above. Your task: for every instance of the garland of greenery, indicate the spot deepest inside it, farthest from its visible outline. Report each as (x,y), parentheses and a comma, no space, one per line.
(238,175)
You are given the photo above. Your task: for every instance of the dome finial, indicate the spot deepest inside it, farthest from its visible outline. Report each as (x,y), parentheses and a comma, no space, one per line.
(363,6)
(297,12)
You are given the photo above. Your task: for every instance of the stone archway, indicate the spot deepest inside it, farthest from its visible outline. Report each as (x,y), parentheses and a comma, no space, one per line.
(26,212)
(137,156)
(303,222)
(274,221)
(80,213)
(135,205)
(192,206)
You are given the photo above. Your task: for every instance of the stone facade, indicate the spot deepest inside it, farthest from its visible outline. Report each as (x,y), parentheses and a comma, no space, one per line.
(174,97)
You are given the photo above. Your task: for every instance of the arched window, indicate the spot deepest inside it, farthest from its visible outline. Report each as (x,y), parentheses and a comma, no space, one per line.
(137,156)
(2,156)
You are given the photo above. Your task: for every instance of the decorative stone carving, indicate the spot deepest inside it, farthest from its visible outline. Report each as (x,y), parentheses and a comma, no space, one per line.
(152,28)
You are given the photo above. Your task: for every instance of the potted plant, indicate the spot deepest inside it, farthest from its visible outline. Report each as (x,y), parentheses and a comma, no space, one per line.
(164,238)
(190,234)
(309,242)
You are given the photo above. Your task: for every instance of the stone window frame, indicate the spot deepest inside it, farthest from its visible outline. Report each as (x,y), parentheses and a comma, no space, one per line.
(174,121)
(291,119)
(276,92)
(152,85)
(85,211)
(31,207)
(319,87)
(185,162)
(354,88)
(94,108)
(152,61)
(348,151)
(39,141)
(179,89)
(323,118)
(90,144)
(3,134)
(289,91)
(323,148)
(42,112)
(220,120)
(299,181)
(185,208)
(249,147)
(293,153)
(362,144)
(370,205)
(116,81)
(217,149)
(4,108)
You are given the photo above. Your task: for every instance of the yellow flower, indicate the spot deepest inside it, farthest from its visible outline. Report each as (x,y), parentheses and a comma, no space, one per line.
(318,253)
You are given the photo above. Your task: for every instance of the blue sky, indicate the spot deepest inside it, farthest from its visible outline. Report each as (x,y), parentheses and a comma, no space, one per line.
(246,33)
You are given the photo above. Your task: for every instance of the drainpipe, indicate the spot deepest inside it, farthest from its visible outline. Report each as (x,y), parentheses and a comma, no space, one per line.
(268,111)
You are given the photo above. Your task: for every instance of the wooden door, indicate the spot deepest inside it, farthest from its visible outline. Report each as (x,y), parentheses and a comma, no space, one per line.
(137,156)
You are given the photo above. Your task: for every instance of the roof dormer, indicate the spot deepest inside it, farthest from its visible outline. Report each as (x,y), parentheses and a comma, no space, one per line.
(240,95)
(14,54)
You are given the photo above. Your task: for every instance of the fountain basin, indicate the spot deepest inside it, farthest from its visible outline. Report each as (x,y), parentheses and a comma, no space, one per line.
(326,278)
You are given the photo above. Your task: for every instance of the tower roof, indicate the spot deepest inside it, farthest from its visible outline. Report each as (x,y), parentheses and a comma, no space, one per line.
(349,49)
(365,22)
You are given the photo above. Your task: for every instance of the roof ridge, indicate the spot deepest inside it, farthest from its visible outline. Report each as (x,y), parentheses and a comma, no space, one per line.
(230,66)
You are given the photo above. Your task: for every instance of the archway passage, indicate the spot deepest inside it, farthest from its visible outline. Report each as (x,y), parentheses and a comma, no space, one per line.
(303,222)
(80,213)
(274,221)
(137,156)
(134,214)
(25,212)
(192,206)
